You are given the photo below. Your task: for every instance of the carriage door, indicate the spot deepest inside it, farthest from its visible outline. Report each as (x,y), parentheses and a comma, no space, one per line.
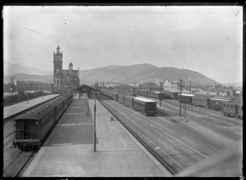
(27,129)
(19,129)
(236,109)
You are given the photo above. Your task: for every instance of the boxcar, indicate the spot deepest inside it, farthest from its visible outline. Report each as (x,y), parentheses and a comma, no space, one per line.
(185,98)
(170,95)
(32,127)
(147,106)
(215,103)
(200,100)
(233,108)
(158,95)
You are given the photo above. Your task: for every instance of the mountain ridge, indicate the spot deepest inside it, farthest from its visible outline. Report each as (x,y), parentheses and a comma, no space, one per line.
(127,74)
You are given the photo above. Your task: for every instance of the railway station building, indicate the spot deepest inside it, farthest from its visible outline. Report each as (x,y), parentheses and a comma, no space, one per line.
(64,78)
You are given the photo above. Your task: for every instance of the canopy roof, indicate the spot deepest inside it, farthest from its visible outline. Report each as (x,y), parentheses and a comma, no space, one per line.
(85,87)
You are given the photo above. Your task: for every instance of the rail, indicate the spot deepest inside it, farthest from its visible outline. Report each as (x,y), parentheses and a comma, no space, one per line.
(169,167)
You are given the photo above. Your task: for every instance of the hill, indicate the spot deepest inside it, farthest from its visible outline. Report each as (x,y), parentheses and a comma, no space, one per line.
(10,69)
(141,73)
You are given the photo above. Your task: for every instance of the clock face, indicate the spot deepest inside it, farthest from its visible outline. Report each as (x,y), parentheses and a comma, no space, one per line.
(57,70)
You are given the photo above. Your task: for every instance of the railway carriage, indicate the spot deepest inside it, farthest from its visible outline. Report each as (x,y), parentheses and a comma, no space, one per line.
(215,103)
(158,95)
(121,98)
(185,98)
(233,108)
(146,106)
(115,96)
(200,100)
(170,95)
(33,127)
(128,101)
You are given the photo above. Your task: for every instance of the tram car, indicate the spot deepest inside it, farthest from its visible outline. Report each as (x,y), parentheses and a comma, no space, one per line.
(200,100)
(215,103)
(146,106)
(185,98)
(34,126)
(233,108)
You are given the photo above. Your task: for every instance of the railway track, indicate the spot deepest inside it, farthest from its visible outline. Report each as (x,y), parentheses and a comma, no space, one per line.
(185,155)
(15,167)
(221,125)
(149,146)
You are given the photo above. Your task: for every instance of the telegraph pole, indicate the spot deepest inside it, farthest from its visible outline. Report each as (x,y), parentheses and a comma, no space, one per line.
(180,86)
(95,123)
(190,86)
(12,87)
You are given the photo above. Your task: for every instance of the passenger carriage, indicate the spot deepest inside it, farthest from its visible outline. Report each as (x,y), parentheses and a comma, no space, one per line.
(233,108)
(146,106)
(33,127)
(215,103)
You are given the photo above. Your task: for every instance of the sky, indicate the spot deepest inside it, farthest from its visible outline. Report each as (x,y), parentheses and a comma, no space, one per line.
(206,39)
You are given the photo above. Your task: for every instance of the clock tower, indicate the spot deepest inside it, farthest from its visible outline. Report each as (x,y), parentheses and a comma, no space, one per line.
(57,78)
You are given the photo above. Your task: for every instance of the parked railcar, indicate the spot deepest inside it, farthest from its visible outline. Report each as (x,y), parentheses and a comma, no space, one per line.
(215,103)
(185,98)
(121,98)
(233,108)
(170,95)
(128,101)
(115,96)
(158,95)
(146,106)
(200,100)
(33,126)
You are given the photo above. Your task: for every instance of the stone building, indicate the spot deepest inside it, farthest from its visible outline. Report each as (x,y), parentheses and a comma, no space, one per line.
(64,78)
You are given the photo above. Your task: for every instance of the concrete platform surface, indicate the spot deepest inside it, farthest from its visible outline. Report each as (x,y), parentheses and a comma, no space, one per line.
(13,109)
(69,150)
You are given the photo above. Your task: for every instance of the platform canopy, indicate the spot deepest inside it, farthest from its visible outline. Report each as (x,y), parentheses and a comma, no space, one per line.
(80,88)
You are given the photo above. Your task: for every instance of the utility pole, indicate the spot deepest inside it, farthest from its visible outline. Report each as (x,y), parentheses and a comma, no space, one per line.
(190,86)
(149,88)
(95,123)
(12,87)
(180,86)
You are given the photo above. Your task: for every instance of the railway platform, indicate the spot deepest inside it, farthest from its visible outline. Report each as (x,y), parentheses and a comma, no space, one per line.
(69,150)
(13,109)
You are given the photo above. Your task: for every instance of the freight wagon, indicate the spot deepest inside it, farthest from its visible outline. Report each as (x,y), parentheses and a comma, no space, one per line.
(170,95)
(185,98)
(201,100)
(33,127)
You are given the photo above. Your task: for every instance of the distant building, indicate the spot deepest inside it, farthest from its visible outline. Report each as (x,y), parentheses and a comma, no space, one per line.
(68,78)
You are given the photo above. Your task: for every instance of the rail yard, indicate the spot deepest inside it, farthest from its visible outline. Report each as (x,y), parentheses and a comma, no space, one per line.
(175,142)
